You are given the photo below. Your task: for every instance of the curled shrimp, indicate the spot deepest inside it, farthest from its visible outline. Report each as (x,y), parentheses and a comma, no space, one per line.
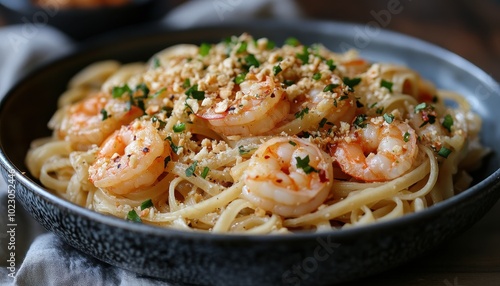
(379,151)
(94,118)
(255,110)
(326,100)
(132,157)
(288,176)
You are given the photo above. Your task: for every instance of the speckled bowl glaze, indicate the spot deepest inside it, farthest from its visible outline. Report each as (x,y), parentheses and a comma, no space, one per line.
(204,258)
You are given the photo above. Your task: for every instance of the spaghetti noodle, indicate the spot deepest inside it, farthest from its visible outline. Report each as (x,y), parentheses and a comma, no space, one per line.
(245,136)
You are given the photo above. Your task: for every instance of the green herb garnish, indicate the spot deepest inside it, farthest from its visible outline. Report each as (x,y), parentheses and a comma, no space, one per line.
(444,152)
(292,42)
(252,61)
(277,69)
(204,173)
(359,121)
(104,114)
(179,127)
(406,137)
(389,118)
(146,204)
(133,216)
(242,48)
(351,82)
(190,170)
(303,163)
(331,65)
(118,91)
(301,113)
(447,122)
(304,56)
(193,92)
(240,78)
(330,87)
(205,49)
(386,84)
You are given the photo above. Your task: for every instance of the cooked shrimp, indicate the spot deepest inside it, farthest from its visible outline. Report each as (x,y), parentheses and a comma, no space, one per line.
(288,176)
(132,157)
(379,151)
(338,104)
(255,110)
(93,119)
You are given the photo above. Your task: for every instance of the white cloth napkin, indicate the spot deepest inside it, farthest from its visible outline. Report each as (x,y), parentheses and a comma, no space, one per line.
(48,260)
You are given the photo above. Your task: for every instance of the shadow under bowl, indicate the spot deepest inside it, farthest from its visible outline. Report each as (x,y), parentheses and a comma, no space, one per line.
(217,259)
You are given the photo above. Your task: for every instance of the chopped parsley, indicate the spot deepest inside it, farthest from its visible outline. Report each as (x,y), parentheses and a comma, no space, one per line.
(317,76)
(292,42)
(448,122)
(386,84)
(179,127)
(406,136)
(330,87)
(190,170)
(420,107)
(292,143)
(104,114)
(331,65)
(303,163)
(144,89)
(379,110)
(244,151)
(351,82)
(270,45)
(204,173)
(165,162)
(304,56)
(242,48)
(187,83)
(118,91)
(156,63)
(277,69)
(146,204)
(288,82)
(389,118)
(160,91)
(133,216)
(301,113)
(322,122)
(174,147)
(444,152)
(193,92)
(240,78)
(156,119)
(205,49)
(359,121)
(252,61)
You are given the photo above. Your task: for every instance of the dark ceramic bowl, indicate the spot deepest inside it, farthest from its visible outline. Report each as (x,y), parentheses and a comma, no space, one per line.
(215,259)
(83,23)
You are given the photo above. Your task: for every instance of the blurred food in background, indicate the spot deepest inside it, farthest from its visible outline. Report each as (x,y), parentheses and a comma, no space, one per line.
(79,3)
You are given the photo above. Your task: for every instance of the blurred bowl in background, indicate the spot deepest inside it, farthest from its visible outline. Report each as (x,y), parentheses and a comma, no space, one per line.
(82,23)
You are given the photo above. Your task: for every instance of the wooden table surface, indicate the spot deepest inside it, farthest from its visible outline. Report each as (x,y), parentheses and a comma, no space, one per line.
(472,30)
